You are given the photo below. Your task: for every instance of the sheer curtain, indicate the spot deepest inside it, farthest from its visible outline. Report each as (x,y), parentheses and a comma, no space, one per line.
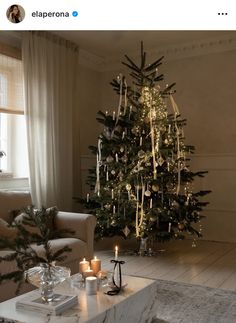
(50,67)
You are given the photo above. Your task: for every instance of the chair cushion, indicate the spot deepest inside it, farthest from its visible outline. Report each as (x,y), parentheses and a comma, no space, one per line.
(10,200)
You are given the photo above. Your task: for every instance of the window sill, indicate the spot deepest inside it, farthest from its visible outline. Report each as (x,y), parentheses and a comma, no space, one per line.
(7,181)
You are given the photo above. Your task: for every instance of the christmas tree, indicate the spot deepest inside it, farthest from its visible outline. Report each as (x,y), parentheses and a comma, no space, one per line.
(142,184)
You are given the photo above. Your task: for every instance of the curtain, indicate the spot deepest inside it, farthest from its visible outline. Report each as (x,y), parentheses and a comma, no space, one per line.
(50,66)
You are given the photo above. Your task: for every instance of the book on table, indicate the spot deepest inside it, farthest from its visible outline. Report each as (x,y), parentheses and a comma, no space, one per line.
(34,302)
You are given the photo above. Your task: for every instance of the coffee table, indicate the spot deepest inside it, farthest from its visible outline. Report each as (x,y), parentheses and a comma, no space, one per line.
(134,304)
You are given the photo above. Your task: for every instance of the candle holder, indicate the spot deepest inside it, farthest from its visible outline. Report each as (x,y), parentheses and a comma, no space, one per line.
(116,277)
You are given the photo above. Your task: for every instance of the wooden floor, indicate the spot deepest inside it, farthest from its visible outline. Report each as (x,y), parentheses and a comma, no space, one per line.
(209,263)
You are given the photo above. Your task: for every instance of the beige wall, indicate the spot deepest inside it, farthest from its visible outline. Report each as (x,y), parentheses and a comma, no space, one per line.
(206,97)
(85,126)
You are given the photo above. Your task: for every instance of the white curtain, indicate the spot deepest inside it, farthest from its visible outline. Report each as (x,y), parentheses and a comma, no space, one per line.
(50,67)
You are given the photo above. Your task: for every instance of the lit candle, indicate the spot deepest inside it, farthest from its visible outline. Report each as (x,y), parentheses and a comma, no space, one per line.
(87,197)
(114,209)
(95,265)
(83,265)
(116,252)
(113,115)
(117,158)
(88,272)
(106,113)
(150,203)
(107,176)
(112,194)
(169,228)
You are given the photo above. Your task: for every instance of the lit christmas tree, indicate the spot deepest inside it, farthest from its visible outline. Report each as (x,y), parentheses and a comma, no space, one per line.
(142,184)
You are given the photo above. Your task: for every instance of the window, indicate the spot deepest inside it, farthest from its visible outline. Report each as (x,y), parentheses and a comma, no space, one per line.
(12,120)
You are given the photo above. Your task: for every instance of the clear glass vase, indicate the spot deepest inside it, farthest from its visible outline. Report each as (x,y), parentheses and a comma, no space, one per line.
(46,283)
(143,246)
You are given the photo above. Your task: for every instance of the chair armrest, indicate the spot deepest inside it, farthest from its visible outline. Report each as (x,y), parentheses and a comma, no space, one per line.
(82,225)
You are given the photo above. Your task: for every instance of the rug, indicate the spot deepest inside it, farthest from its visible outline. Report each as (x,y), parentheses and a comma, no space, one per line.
(186,303)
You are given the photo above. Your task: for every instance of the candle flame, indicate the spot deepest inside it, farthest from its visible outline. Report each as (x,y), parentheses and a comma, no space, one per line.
(116,248)
(84,259)
(95,257)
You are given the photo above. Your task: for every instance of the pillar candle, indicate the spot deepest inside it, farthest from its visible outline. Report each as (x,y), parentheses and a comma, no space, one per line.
(88,272)
(83,265)
(95,265)
(91,285)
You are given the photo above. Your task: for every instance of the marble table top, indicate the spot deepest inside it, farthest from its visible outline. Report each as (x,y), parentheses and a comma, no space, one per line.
(136,303)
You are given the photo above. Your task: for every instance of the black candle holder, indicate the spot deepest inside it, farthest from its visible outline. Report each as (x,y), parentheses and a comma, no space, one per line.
(117,286)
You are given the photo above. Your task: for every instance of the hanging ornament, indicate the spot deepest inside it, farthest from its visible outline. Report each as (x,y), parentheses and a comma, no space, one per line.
(107,206)
(155,188)
(126,231)
(109,159)
(124,159)
(128,187)
(122,149)
(147,193)
(160,161)
(135,130)
(181,226)
(175,204)
(113,223)
(141,154)
(120,176)
(113,172)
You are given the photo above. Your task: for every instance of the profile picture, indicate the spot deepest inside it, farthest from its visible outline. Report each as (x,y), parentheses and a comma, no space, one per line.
(15,13)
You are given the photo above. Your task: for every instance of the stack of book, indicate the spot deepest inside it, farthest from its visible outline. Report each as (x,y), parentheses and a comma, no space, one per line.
(34,302)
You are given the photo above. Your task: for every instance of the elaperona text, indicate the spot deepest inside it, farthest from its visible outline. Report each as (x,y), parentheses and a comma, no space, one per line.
(50,14)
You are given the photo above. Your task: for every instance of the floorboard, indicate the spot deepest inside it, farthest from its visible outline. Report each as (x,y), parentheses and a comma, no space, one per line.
(210,263)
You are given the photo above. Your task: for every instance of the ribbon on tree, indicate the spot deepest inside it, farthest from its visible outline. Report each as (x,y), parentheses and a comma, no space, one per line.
(99,158)
(142,201)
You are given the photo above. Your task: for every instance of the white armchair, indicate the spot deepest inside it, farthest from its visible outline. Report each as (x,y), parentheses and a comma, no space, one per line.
(81,242)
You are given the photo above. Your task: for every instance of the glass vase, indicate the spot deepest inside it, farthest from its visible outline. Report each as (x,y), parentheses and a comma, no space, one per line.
(46,283)
(143,246)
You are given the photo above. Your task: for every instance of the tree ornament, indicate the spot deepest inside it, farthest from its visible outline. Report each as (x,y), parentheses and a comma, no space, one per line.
(141,154)
(113,172)
(122,149)
(109,159)
(107,206)
(147,193)
(181,226)
(155,188)
(128,187)
(124,159)
(126,231)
